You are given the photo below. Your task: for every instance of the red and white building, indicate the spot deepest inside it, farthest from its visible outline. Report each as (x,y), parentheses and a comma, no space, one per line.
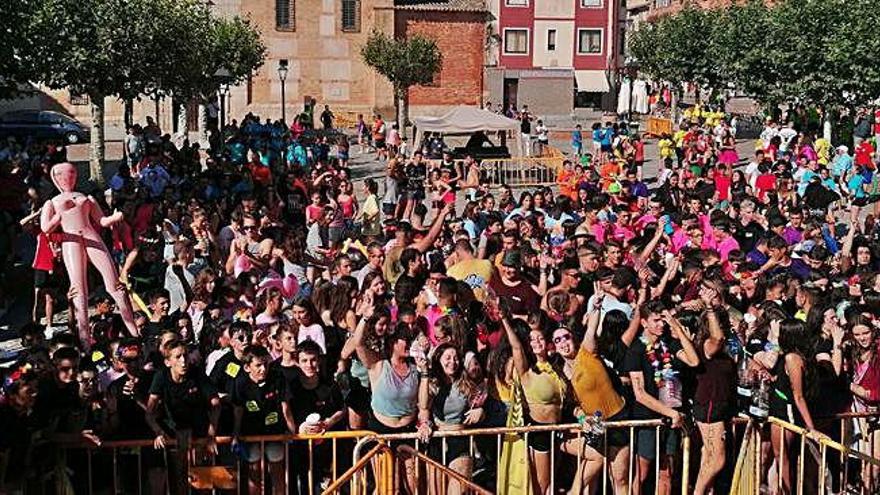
(553,55)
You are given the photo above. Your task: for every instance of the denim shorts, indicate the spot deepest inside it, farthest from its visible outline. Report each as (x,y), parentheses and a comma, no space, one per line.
(274,452)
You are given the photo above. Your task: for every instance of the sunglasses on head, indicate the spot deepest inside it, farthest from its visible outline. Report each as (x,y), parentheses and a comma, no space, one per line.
(562,338)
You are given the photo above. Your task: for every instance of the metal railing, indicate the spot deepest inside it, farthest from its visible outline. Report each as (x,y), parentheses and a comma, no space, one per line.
(577,432)
(212,472)
(521,172)
(752,471)
(378,469)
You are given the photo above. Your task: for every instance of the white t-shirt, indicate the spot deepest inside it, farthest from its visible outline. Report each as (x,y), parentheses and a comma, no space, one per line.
(313,332)
(542,133)
(787,134)
(751,172)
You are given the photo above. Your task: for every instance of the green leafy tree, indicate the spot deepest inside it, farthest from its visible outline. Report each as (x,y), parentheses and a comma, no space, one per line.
(128,48)
(100,48)
(741,49)
(208,44)
(675,48)
(405,63)
(818,52)
(16,46)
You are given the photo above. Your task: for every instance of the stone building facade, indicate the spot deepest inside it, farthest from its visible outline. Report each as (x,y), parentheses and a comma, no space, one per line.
(319,41)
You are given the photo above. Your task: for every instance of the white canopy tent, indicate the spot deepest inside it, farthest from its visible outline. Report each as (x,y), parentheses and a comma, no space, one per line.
(464,120)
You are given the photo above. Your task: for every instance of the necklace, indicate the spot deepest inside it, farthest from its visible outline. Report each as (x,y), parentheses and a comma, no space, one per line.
(660,359)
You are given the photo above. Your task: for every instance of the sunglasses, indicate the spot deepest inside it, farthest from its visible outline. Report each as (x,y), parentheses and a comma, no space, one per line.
(66,369)
(562,338)
(248,228)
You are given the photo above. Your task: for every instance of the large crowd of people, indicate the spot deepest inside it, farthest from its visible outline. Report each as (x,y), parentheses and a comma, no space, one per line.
(274,295)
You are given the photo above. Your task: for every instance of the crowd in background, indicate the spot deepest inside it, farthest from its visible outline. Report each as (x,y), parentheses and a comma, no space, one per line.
(274,295)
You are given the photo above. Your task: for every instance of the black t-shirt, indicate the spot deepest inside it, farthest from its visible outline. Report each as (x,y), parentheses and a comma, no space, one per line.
(415,175)
(226,370)
(107,327)
(325,400)
(637,360)
(58,402)
(132,420)
(16,440)
(261,403)
(747,235)
(287,373)
(525,125)
(187,403)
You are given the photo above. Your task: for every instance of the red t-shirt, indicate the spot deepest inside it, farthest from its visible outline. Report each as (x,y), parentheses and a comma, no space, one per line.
(262,175)
(765,183)
(722,185)
(639,151)
(863,154)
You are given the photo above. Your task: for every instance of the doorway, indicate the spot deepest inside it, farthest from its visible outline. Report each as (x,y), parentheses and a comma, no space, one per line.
(510,89)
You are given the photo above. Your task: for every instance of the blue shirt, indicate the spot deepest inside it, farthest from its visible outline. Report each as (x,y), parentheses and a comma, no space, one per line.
(840,165)
(856,185)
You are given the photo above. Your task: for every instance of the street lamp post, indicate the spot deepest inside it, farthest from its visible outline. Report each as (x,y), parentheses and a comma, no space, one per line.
(222,76)
(282,76)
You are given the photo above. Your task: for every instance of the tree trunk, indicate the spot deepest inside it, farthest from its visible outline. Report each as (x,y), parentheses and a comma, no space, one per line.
(673,104)
(404,110)
(203,125)
(398,108)
(182,118)
(129,113)
(96,141)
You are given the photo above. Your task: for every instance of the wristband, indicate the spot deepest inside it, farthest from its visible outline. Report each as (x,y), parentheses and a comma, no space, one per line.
(771,347)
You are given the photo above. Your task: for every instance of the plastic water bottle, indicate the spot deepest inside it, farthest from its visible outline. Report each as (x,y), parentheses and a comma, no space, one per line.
(596,431)
(670,392)
(744,383)
(598,424)
(760,407)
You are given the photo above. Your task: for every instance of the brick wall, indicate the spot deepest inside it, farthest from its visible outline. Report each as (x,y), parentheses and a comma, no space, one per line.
(461,37)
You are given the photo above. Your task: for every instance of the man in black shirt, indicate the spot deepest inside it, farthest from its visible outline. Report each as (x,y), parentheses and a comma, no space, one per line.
(191,409)
(747,227)
(127,395)
(314,394)
(317,406)
(327,118)
(228,367)
(261,408)
(416,174)
(126,410)
(651,365)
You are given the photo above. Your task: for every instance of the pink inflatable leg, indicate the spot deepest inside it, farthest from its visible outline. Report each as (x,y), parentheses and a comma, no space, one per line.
(75,261)
(104,263)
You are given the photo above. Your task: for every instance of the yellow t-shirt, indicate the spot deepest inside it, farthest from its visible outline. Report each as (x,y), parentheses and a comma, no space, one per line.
(823,150)
(666,148)
(475,272)
(391,269)
(679,138)
(592,386)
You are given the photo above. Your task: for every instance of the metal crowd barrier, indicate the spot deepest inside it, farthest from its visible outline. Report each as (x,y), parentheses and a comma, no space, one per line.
(752,472)
(359,484)
(375,458)
(207,474)
(521,172)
